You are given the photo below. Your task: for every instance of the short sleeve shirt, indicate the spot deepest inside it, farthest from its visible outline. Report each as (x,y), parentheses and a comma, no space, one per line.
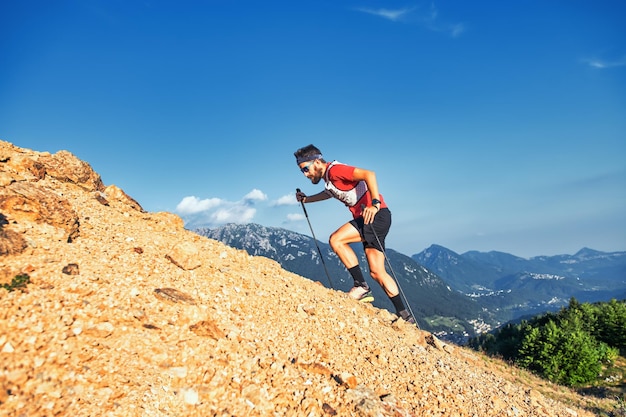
(340,184)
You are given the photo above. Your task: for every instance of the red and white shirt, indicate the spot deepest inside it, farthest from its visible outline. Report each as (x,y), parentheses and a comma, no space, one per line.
(354,194)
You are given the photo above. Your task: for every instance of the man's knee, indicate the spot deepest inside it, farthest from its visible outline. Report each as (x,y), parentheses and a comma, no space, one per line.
(334,241)
(376,275)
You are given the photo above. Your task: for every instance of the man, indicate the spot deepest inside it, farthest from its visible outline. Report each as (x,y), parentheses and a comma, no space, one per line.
(358,190)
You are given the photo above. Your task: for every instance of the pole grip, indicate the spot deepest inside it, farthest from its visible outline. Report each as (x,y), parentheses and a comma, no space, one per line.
(302,204)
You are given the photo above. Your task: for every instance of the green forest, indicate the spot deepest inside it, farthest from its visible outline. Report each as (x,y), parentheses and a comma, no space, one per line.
(576,346)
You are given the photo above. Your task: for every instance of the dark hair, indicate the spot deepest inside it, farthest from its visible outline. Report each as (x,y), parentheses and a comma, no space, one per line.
(308,153)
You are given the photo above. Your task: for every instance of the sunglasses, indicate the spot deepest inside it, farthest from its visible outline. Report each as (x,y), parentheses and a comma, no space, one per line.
(305,168)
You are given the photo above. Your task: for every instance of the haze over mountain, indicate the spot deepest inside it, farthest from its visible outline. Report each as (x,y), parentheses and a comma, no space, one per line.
(528,286)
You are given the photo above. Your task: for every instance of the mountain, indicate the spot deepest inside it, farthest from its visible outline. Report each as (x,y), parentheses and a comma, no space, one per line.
(511,287)
(436,306)
(501,262)
(124,312)
(462,273)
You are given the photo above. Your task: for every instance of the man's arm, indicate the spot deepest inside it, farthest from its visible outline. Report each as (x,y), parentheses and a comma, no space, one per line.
(369,177)
(323,195)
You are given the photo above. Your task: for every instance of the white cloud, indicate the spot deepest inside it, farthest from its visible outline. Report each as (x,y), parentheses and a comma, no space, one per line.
(602,64)
(233,214)
(192,205)
(295,217)
(215,212)
(393,15)
(286,200)
(255,195)
(456,30)
(428,19)
(432,22)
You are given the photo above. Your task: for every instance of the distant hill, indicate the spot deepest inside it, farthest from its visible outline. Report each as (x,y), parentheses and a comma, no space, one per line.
(463,274)
(517,287)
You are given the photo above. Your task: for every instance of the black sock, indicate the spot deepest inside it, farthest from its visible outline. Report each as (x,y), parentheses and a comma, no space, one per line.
(357,276)
(397,303)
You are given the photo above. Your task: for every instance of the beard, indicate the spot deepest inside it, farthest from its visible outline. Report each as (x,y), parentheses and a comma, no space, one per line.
(317,176)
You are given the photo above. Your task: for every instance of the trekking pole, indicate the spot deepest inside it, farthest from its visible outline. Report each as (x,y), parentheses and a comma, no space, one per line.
(315,240)
(406,300)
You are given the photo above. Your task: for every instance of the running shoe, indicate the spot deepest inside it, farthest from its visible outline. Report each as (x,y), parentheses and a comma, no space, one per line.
(362,294)
(406,316)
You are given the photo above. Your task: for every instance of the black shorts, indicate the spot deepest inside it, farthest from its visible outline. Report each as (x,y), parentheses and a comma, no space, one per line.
(381,224)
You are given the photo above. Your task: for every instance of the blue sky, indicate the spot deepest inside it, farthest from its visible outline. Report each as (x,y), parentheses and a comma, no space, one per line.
(490,125)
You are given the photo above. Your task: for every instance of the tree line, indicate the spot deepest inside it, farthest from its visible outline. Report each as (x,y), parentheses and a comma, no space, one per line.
(570,347)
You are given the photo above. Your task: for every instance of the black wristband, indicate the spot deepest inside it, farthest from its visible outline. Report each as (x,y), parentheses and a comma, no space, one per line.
(375,201)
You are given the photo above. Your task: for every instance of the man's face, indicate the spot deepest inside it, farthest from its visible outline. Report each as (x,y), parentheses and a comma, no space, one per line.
(312,170)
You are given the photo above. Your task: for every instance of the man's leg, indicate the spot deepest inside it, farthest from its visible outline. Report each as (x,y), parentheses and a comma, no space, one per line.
(340,242)
(376,261)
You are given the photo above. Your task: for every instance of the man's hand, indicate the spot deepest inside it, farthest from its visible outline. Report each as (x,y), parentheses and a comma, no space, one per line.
(368,214)
(300,196)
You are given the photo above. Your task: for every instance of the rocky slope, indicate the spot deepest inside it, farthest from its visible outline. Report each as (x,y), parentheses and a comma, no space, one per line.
(129,314)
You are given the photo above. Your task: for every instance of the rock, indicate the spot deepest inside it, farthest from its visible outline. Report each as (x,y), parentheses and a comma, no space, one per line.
(71,269)
(184,255)
(65,167)
(101,330)
(207,328)
(25,202)
(118,194)
(348,380)
(191,396)
(11,243)
(173,295)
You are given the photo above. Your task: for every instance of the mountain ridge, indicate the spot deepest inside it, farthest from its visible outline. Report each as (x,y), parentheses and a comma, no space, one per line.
(500,279)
